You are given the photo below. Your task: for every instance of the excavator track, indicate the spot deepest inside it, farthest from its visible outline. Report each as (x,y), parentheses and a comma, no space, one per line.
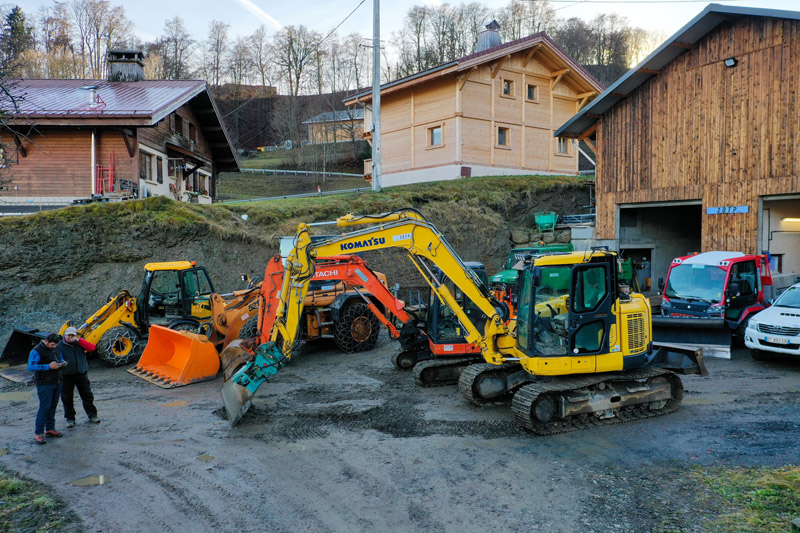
(471,377)
(580,402)
(436,372)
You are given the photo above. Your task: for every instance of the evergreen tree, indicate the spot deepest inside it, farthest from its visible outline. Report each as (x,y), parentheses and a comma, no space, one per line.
(16,39)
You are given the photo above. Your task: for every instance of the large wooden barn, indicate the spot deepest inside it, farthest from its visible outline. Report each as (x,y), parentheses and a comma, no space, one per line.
(126,136)
(489,113)
(697,146)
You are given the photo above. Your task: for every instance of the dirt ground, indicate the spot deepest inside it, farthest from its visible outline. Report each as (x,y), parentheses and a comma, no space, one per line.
(340,442)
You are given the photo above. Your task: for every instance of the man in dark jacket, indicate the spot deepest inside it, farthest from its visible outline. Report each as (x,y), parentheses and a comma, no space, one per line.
(76,375)
(46,364)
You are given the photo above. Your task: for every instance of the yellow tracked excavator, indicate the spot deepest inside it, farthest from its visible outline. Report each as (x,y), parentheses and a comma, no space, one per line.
(578,354)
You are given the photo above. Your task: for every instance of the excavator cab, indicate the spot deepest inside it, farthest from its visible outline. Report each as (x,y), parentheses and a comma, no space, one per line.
(443,327)
(567,309)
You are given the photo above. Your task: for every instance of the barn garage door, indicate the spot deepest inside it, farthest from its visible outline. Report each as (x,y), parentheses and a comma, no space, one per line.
(654,235)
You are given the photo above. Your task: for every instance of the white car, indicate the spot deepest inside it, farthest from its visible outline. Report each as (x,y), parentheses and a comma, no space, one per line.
(776,329)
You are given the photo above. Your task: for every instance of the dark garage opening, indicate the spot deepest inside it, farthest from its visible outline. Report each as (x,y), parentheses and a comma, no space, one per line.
(654,236)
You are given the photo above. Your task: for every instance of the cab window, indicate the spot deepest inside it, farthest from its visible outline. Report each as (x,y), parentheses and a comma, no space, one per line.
(196,283)
(590,289)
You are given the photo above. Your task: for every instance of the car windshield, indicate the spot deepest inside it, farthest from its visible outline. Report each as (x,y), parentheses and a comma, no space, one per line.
(696,282)
(790,298)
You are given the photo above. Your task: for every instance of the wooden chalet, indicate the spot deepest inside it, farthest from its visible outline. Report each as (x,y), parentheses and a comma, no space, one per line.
(489,113)
(71,139)
(697,146)
(336,126)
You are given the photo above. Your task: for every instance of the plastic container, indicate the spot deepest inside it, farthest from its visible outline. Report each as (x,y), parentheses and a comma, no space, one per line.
(546,220)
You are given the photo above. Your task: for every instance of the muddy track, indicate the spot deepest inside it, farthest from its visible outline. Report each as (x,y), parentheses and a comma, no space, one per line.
(341,442)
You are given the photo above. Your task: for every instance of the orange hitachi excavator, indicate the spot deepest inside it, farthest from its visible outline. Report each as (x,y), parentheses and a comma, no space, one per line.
(353,273)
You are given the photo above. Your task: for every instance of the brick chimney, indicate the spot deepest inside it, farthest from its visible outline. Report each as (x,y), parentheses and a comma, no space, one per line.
(125,65)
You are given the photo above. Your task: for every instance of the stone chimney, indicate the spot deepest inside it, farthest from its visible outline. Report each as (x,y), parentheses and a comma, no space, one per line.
(489,37)
(125,65)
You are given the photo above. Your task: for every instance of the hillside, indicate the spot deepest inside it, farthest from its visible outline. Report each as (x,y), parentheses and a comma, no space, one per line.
(62,264)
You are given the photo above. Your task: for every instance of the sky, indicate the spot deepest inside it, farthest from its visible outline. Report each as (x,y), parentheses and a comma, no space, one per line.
(245,16)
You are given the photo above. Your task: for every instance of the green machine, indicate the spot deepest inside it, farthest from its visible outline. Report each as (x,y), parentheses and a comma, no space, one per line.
(507,279)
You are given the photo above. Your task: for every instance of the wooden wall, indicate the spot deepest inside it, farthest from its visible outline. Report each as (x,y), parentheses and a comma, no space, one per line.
(157,136)
(701,131)
(58,161)
(470,111)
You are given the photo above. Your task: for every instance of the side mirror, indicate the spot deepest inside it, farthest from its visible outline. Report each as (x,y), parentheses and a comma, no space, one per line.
(660,284)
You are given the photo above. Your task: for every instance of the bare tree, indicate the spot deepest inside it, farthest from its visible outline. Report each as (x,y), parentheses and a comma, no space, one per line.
(216,51)
(356,62)
(58,52)
(240,62)
(177,48)
(294,48)
(262,55)
(575,37)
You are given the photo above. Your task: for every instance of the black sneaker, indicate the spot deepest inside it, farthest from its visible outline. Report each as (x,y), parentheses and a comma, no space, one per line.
(70,423)
(94,419)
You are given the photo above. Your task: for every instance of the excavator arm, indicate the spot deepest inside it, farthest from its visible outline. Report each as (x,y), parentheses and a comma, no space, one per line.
(406,229)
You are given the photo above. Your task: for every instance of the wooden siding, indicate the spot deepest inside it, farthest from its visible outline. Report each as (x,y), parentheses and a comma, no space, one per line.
(701,131)
(157,137)
(335,132)
(470,111)
(58,162)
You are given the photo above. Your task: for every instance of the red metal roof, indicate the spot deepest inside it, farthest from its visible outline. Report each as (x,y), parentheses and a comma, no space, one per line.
(70,99)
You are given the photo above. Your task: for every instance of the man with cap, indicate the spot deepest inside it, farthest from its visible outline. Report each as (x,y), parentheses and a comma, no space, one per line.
(46,364)
(76,375)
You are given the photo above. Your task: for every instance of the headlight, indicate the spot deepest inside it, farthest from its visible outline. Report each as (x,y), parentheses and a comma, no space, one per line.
(666,304)
(753,324)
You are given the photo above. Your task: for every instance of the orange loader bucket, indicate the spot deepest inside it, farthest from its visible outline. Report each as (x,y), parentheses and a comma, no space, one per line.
(176,358)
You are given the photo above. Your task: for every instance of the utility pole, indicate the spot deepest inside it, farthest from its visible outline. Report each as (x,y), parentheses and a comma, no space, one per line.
(376,95)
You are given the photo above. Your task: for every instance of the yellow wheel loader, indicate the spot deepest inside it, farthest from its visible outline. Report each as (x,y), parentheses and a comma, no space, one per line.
(578,354)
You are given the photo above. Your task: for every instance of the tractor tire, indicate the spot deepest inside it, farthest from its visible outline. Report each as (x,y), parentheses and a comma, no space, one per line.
(740,329)
(183,324)
(120,346)
(250,328)
(357,329)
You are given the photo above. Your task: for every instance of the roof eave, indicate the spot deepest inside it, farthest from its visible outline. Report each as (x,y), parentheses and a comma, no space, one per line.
(660,57)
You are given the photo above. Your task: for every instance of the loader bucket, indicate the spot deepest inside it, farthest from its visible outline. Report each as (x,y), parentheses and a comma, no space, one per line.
(14,359)
(176,358)
(711,335)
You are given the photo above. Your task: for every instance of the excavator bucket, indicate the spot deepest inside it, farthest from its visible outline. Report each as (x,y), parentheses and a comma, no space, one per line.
(14,359)
(176,358)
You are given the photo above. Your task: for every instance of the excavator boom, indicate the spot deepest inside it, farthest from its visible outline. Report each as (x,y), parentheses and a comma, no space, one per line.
(578,323)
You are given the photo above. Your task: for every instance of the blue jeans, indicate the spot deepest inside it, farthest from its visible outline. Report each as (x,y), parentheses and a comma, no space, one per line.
(48,401)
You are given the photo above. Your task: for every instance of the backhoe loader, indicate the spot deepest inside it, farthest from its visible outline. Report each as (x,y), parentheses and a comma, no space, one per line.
(578,354)
(176,295)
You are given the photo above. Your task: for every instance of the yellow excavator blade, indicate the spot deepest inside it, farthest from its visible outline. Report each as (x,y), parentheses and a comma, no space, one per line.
(176,358)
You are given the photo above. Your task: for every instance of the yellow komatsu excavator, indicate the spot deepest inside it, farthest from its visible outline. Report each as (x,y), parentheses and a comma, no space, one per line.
(578,354)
